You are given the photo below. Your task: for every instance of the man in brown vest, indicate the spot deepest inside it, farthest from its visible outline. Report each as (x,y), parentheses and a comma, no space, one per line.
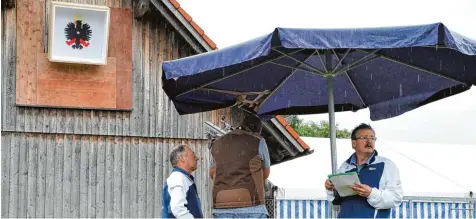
(239,165)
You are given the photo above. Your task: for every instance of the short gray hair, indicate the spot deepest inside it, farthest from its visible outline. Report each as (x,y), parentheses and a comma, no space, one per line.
(176,153)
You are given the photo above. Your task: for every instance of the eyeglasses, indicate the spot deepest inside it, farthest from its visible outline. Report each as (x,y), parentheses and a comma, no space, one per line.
(367,138)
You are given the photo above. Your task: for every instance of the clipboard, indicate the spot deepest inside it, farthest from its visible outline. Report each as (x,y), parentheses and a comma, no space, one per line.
(343,181)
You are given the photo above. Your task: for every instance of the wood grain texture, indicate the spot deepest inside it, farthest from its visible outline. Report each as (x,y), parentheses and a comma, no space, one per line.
(120,47)
(69,85)
(94,176)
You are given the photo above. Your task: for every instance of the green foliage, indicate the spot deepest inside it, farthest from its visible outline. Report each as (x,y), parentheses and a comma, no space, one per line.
(313,129)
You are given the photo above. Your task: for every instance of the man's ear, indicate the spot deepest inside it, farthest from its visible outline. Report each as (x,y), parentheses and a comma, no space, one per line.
(182,158)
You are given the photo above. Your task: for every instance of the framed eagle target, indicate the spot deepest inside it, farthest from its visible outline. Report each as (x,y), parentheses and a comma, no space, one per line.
(78,33)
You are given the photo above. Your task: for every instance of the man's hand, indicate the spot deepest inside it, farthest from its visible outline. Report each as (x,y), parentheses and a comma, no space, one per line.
(362,189)
(329,185)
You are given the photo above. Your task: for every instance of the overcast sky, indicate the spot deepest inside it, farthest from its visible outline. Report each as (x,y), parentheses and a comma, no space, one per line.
(451,120)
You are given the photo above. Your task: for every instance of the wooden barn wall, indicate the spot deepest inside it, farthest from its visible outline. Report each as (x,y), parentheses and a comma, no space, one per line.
(80,176)
(153,114)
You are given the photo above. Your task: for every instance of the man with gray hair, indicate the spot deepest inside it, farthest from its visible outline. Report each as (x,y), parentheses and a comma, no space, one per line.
(180,197)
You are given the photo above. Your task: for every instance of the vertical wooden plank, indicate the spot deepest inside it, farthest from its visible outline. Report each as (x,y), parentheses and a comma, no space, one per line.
(126,123)
(120,47)
(95,121)
(109,182)
(160,96)
(153,79)
(111,123)
(86,125)
(67,175)
(59,169)
(119,123)
(101,176)
(167,101)
(78,116)
(75,174)
(52,120)
(174,115)
(117,201)
(46,120)
(8,58)
(137,77)
(158,176)
(6,149)
(134,198)
(20,119)
(142,180)
(26,43)
(69,121)
(50,175)
(13,202)
(23,185)
(41,182)
(28,120)
(62,119)
(38,119)
(146,78)
(84,176)
(150,178)
(165,160)
(126,177)
(93,177)
(102,122)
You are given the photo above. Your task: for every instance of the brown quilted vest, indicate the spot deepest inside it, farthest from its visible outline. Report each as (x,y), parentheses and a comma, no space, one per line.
(239,171)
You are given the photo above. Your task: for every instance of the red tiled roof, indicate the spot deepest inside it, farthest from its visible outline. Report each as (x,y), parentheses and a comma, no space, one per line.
(212,44)
(292,132)
(199,30)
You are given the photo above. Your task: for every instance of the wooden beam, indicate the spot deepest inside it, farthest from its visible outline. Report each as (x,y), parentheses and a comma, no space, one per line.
(141,7)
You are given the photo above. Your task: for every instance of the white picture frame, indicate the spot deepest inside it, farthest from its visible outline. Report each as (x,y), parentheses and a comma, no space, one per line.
(78,33)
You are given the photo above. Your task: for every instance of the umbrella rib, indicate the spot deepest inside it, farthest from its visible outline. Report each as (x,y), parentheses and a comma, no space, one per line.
(355,88)
(236,92)
(351,81)
(354,65)
(357,63)
(296,68)
(299,61)
(418,68)
(340,59)
(320,58)
(281,83)
(236,73)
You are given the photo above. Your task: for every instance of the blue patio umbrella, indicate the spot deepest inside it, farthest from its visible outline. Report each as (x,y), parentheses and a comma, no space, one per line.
(390,70)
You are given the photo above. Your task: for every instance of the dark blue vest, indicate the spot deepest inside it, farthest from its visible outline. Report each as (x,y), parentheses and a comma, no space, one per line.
(193,201)
(357,206)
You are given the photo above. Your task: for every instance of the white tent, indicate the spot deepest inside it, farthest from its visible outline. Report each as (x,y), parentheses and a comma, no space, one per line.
(430,170)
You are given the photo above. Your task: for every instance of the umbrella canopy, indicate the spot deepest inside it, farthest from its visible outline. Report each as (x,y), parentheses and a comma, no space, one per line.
(390,70)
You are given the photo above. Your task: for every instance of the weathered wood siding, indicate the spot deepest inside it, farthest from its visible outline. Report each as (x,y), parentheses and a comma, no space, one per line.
(92,163)
(153,114)
(63,175)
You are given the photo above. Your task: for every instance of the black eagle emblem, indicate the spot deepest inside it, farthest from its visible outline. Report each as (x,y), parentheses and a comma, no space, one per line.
(78,34)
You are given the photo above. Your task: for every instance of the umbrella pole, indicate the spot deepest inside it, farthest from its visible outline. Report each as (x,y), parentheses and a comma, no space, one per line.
(332,127)
(332,119)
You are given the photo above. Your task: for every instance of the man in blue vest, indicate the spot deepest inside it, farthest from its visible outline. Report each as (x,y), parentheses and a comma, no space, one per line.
(180,197)
(380,188)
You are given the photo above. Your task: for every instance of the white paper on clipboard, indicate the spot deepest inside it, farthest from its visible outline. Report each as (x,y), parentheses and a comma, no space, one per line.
(343,181)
